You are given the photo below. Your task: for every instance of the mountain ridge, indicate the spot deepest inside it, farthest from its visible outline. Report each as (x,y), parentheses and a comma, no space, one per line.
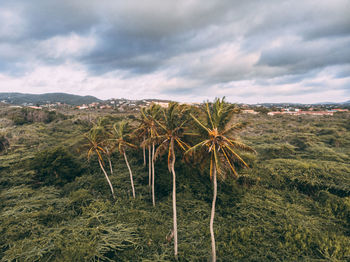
(24,98)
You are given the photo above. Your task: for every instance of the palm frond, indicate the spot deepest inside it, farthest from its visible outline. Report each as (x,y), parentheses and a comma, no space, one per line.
(229,162)
(235,127)
(199,123)
(100,157)
(182,144)
(195,147)
(239,145)
(237,156)
(209,116)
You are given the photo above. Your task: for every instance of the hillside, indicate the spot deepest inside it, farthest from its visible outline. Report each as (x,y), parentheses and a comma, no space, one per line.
(19,98)
(293,204)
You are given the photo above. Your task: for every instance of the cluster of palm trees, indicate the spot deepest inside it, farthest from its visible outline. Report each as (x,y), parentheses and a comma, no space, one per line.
(171,131)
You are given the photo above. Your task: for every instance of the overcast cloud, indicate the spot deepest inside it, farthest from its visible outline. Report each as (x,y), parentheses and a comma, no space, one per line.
(184,50)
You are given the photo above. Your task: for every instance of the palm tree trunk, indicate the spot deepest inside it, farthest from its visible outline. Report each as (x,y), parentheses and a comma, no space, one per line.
(109,161)
(131,179)
(110,165)
(213,249)
(174,196)
(109,182)
(153,195)
(144,151)
(149,166)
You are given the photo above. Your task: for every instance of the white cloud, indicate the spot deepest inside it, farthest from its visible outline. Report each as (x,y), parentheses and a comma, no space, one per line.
(71,45)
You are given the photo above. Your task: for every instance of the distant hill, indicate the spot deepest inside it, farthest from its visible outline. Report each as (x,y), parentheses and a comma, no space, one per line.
(20,98)
(303,104)
(334,103)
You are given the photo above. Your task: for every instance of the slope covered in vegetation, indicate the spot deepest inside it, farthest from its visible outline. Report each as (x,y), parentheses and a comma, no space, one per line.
(293,204)
(20,98)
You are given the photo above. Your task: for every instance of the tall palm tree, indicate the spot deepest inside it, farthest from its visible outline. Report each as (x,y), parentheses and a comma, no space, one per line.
(96,145)
(150,116)
(103,124)
(222,148)
(173,126)
(121,133)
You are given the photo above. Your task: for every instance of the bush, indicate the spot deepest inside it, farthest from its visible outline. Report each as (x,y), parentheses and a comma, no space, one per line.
(4,143)
(28,116)
(301,141)
(55,166)
(308,177)
(278,151)
(42,227)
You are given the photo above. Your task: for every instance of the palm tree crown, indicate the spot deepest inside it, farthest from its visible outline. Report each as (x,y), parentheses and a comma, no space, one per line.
(173,127)
(223,148)
(121,135)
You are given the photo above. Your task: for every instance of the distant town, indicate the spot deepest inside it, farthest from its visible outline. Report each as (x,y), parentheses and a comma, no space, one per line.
(129,106)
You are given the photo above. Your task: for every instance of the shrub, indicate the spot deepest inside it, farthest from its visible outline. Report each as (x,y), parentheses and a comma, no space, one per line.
(55,166)
(28,116)
(301,141)
(277,151)
(4,143)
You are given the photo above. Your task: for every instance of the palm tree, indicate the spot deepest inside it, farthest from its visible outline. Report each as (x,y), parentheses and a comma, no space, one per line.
(222,148)
(102,124)
(173,127)
(121,135)
(150,116)
(96,145)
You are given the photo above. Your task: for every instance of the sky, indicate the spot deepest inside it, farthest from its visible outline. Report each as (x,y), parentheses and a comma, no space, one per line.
(183,50)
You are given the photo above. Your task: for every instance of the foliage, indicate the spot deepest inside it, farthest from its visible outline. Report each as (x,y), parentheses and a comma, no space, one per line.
(293,204)
(28,115)
(4,143)
(55,166)
(218,140)
(43,228)
(19,98)
(121,136)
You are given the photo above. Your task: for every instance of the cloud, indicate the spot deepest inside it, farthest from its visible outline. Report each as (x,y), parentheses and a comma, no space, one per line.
(71,45)
(190,50)
(306,55)
(11,25)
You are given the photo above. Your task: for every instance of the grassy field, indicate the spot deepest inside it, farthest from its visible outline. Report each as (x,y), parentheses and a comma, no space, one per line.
(293,204)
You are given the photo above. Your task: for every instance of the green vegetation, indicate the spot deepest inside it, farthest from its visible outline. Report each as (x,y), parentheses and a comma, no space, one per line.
(19,98)
(292,204)
(55,166)
(28,116)
(4,143)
